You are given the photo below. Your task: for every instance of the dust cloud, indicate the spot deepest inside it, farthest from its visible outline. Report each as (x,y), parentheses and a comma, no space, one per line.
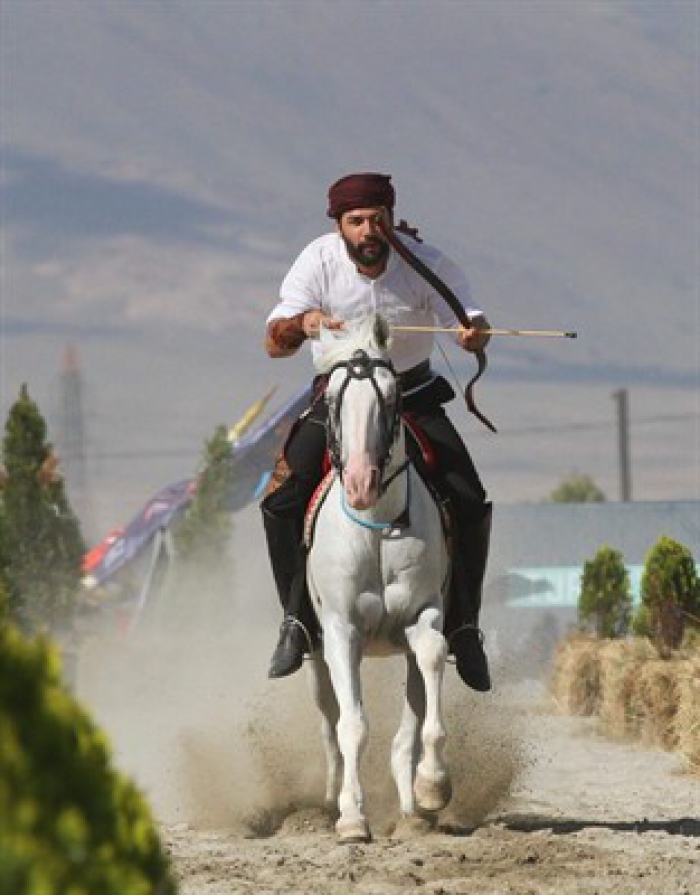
(212,743)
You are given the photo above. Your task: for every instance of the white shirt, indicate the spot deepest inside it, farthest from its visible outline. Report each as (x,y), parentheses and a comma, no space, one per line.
(325,278)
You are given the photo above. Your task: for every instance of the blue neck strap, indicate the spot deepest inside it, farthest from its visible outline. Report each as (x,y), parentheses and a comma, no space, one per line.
(368,523)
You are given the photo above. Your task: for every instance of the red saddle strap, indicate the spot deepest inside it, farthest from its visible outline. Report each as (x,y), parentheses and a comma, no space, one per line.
(420,437)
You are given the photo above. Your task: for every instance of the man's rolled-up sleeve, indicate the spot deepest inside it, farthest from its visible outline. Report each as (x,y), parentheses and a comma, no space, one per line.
(300,290)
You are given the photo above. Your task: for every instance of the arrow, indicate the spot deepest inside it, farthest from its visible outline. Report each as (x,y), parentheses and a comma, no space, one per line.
(532,333)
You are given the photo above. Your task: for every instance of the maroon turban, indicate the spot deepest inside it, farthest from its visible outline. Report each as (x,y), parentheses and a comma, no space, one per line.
(360,191)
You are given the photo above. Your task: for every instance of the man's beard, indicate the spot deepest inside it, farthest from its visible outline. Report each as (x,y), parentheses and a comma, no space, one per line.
(369,253)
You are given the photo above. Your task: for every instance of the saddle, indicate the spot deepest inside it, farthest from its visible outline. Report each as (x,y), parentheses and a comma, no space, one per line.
(422,457)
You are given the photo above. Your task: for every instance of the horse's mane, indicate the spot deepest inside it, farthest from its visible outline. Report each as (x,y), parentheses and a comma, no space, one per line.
(369,334)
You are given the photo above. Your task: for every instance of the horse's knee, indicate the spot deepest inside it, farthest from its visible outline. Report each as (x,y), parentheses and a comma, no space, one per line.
(430,648)
(352,728)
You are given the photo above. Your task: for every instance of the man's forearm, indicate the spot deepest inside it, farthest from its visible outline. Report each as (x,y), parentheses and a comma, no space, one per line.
(284,335)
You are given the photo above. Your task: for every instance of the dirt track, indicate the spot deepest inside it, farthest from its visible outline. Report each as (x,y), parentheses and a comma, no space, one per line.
(580,815)
(232,766)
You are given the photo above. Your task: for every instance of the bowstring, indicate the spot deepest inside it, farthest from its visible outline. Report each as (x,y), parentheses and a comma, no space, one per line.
(451,370)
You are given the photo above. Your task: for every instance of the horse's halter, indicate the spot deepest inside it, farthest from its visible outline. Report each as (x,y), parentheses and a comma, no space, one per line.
(362,366)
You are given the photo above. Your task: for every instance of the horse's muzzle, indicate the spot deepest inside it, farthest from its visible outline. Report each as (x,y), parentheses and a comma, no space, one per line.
(361,483)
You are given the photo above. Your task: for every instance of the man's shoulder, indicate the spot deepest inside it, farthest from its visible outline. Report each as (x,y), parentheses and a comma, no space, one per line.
(323,247)
(425,252)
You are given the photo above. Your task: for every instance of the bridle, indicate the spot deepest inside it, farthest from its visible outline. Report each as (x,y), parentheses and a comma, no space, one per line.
(359,367)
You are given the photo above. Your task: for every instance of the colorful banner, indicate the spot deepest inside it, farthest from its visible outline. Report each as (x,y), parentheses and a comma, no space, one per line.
(253,454)
(256,452)
(121,546)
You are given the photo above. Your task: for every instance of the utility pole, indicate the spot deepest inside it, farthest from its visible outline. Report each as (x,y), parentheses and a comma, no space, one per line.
(71,435)
(623,444)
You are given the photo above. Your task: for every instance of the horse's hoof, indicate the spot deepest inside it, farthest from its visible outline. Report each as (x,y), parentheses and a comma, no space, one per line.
(413,826)
(432,795)
(353,832)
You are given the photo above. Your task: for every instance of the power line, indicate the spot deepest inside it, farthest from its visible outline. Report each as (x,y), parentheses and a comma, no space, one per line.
(591,426)
(148,454)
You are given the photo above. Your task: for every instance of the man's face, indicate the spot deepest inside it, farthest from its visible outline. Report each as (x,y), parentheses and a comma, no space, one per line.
(359,229)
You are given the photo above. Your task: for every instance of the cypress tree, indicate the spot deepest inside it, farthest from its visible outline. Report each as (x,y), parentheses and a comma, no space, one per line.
(605,601)
(670,593)
(204,532)
(41,546)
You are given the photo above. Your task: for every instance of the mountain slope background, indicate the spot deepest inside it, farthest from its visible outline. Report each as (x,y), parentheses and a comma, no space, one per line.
(163,163)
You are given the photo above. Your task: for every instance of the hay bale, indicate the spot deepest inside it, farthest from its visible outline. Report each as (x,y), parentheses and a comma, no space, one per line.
(634,692)
(655,698)
(575,679)
(687,720)
(620,664)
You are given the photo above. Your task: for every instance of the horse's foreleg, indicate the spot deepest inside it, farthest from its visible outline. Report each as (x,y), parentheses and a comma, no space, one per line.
(432,785)
(406,746)
(342,654)
(324,697)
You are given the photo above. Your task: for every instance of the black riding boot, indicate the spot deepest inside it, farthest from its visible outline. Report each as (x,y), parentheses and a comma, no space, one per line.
(462,624)
(299,629)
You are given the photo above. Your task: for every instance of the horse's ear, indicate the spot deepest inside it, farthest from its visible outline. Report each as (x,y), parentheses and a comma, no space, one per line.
(381,332)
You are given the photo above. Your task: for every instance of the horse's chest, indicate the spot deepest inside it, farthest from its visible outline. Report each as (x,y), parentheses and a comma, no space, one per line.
(389,569)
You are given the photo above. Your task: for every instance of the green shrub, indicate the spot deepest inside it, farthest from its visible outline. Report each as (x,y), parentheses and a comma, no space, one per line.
(69,823)
(605,601)
(4,601)
(577,488)
(670,593)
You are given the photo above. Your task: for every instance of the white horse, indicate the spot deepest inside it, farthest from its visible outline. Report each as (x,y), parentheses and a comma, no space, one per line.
(377,573)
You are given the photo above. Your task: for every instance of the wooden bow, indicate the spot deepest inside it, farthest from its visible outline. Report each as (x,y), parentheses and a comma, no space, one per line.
(456,306)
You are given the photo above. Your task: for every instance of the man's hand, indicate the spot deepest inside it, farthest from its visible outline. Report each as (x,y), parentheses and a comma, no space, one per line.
(312,322)
(284,335)
(474,339)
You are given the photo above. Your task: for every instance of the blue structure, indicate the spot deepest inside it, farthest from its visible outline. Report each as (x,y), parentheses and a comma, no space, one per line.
(538,553)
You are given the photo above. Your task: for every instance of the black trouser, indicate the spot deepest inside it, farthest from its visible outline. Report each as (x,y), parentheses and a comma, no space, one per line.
(455,478)
(284,510)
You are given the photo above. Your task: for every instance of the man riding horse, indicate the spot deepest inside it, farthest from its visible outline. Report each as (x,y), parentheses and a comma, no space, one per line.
(339,277)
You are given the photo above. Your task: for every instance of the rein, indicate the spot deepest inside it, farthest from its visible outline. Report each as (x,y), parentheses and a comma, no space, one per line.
(455,305)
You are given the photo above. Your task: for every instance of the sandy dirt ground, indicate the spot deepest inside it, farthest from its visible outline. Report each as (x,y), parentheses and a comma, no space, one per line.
(583,816)
(232,766)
